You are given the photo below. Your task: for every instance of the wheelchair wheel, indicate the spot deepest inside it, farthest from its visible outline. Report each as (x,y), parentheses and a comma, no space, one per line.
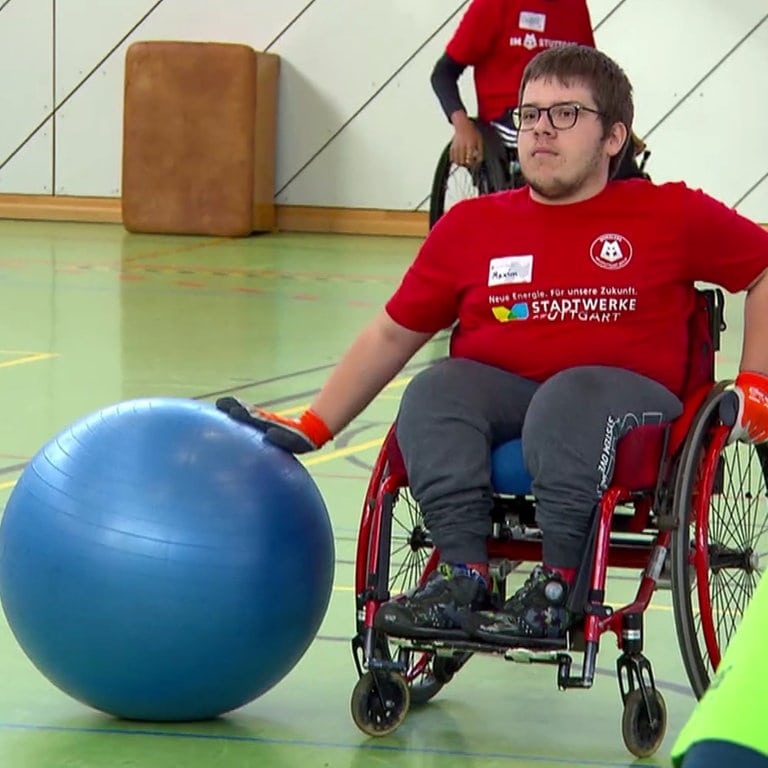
(411,557)
(642,733)
(379,703)
(454,183)
(718,550)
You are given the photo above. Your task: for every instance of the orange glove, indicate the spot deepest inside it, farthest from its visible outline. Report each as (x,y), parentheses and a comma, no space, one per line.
(747,409)
(307,433)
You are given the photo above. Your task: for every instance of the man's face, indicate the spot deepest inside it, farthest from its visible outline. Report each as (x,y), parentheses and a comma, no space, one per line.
(571,164)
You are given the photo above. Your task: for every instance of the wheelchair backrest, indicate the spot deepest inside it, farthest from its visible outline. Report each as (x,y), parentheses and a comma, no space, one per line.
(704,327)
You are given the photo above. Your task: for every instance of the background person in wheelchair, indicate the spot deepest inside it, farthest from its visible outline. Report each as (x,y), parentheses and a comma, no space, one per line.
(497,38)
(572,296)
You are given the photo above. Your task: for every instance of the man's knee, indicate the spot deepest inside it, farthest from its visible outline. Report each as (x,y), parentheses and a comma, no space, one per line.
(575,384)
(581,410)
(589,392)
(431,389)
(561,400)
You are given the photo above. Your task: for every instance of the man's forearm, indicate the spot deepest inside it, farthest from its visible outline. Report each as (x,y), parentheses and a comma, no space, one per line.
(754,356)
(373,359)
(444,81)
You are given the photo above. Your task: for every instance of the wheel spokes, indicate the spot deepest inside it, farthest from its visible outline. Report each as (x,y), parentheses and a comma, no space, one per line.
(460,185)
(411,545)
(737,520)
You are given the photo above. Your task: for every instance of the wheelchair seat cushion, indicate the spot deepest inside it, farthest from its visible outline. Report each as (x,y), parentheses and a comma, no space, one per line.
(638,458)
(508,473)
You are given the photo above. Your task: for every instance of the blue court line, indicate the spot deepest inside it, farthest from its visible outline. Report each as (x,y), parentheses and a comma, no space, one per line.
(528,759)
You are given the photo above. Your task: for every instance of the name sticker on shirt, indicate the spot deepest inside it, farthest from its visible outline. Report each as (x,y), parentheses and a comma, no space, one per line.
(533,21)
(505,270)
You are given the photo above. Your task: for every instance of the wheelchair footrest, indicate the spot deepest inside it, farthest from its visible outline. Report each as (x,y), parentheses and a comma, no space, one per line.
(529,651)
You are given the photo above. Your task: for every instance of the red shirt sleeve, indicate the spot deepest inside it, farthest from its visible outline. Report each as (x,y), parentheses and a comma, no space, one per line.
(427,299)
(724,247)
(476,34)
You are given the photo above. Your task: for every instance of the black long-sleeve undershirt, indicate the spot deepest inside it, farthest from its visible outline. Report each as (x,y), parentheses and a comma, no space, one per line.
(445,77)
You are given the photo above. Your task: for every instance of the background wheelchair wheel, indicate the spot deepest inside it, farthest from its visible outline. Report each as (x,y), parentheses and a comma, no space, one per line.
(642,736)
(379,703)
(412,558)
(454,183)
(719,548)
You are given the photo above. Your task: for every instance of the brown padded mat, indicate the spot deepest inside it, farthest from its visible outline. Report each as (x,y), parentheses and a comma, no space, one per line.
(189,138)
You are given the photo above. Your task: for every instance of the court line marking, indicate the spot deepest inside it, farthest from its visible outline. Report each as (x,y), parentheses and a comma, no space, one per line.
(32,358)
(342,452)
(315,743)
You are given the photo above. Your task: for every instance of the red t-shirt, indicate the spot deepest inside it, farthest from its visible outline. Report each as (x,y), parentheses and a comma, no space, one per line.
(607,281)
(499,37)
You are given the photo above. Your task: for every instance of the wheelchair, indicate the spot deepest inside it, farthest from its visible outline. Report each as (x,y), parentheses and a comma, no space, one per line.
(684,506)
(499,169)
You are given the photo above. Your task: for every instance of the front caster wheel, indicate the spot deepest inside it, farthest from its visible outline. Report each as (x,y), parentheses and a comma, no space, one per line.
(643,732)
(380,702)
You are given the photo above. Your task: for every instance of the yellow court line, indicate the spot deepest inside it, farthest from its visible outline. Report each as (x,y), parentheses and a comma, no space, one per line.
(342,452)
(7,484)
(29,359)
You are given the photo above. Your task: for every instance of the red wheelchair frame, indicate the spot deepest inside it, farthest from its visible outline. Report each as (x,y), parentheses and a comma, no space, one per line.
(676,487)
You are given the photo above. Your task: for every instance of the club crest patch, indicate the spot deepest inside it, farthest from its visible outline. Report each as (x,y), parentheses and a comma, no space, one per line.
(611,251)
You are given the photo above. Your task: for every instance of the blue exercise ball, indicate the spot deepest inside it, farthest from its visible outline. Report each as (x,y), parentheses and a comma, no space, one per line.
(162,562)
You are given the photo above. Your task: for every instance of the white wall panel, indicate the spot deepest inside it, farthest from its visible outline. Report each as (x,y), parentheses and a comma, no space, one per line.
(89,136)
(26,95)
(600,9)
(755,205)
(716,138)
(666,48)
(324,83)
(253,22)
(373,160)
(86,30)
(30,171)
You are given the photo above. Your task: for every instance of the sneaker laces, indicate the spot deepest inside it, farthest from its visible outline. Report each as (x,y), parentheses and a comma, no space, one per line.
(539,575)
(442,582)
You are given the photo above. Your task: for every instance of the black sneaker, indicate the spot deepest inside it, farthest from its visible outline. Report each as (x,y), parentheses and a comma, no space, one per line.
(433,610)
(536,611)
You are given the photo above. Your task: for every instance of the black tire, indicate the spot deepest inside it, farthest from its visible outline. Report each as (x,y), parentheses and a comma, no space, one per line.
(722,512)
(453,183)
(642,735)
(379,703)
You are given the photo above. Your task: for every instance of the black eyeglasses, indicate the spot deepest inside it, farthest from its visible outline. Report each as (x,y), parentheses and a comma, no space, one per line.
(560,116)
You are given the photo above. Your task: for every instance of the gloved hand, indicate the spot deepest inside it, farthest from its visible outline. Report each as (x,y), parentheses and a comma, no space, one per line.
(307,433)
(746,408)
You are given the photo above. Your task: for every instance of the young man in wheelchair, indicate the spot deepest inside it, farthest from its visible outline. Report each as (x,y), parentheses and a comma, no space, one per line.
(572,296)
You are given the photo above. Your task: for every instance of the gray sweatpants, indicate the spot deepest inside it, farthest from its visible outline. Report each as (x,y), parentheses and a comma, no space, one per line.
(453,413)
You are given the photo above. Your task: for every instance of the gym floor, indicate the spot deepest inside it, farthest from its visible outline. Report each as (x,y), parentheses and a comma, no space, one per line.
(90,316)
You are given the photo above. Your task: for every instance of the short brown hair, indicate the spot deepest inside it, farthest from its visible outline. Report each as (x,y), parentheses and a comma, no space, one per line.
(607,81)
